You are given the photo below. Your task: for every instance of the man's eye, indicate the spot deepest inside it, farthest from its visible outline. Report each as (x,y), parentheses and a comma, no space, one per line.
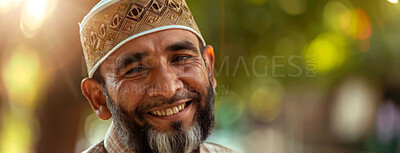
(134,70)
(179,58)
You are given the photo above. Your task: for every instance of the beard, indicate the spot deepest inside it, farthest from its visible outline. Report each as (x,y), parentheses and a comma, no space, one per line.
(145,138)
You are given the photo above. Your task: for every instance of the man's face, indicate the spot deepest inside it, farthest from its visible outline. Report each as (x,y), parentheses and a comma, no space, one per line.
(159,83)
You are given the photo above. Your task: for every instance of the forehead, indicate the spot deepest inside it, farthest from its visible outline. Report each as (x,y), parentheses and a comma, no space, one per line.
(156,42)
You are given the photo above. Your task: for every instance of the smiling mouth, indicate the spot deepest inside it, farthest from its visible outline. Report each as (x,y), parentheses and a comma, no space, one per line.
(171,110)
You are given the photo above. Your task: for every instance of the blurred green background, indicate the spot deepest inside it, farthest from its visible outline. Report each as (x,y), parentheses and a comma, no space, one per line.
(294,76)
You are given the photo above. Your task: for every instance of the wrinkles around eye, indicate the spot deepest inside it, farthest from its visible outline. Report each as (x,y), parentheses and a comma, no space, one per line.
(135,71)
(181,58)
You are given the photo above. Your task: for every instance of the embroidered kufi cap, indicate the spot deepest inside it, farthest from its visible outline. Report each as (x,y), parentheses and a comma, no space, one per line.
(112,23)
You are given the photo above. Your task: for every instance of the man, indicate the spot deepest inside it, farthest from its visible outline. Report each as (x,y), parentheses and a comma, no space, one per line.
(152,73)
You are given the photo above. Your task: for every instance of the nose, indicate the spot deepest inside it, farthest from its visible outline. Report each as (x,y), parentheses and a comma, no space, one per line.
(165,82)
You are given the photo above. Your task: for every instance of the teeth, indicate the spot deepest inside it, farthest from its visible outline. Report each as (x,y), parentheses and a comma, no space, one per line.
(175,110)
(169,111)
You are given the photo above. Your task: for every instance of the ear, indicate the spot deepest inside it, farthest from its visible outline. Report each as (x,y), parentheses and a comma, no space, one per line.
(94,94)
(208,54)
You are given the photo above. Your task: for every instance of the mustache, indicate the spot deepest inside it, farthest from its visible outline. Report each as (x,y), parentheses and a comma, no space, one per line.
(158,101)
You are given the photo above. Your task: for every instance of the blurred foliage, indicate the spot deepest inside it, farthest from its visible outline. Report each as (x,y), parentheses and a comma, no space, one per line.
(265,49)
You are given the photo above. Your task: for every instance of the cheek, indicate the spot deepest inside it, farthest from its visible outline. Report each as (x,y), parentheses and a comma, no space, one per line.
(195,77)
(128,95)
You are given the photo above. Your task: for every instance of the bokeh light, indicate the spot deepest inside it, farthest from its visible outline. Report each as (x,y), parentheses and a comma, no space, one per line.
(16,135)
(95,129)
(353,109)
(390,10)
(388,121)
(229,109)
(393,1)
(359,27)
(34,13)
(266,140)
(340,16)
(266,101)
(293,7)
(336,15)
(6,5)
(330,51)
(22,77)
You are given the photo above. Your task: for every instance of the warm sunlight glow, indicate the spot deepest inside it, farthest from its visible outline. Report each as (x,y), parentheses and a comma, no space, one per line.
(7,5)
(34,13)
(16,135)
(393,1)
(21,76)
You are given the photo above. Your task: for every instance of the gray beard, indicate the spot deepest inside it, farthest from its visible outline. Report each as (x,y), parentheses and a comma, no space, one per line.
(134,136)
(163,142)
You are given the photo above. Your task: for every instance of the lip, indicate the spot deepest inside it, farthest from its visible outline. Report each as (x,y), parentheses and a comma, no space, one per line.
(177,115)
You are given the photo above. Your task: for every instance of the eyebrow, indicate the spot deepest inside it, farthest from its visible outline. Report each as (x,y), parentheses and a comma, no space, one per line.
(129,59)
(182,45)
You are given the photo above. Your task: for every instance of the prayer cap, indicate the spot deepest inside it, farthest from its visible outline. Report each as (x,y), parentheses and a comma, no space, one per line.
(112,23)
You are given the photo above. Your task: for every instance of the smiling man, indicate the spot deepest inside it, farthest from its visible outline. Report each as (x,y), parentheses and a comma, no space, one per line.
(152,73)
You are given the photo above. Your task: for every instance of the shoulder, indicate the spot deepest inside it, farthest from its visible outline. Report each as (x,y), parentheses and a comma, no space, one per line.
(208,147)
(97,148)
